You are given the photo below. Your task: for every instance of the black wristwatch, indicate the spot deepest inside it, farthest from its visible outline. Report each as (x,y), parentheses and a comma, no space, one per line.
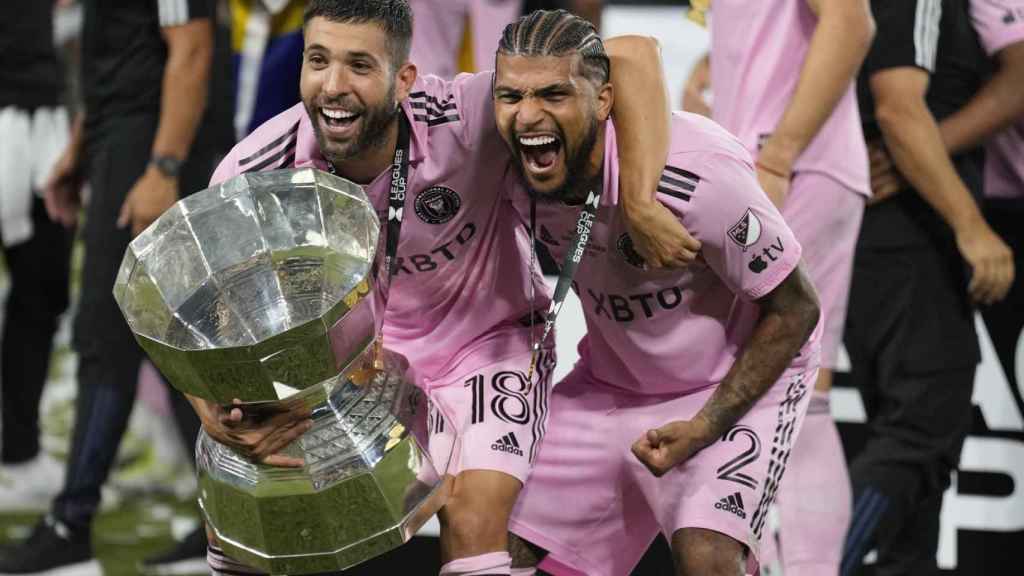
(169,166)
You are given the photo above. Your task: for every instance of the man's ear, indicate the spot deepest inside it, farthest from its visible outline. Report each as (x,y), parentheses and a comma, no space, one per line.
(404,80)
(605,100)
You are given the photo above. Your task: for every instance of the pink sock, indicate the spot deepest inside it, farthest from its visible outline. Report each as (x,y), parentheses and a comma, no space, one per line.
(480,565)
(814,497)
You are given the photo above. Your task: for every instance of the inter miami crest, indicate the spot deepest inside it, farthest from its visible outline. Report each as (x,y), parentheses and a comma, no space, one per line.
(629,254)
(747,231)
(437,205)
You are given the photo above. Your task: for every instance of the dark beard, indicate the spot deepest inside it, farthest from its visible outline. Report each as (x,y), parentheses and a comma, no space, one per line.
(376,121)
(577,182)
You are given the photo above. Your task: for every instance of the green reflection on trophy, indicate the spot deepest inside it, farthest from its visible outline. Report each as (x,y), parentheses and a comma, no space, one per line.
(265,289)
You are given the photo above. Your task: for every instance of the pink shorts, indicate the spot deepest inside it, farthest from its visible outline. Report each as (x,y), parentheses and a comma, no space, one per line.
(825,217)
(595,508)
(490,419)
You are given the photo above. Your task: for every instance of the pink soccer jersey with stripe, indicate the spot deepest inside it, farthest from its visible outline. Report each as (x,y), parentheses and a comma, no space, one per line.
(1000,23)
(462,291)
(757,51)
(678,331)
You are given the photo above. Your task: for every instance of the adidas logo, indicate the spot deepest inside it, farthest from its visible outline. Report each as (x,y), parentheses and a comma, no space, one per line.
(732,504)
(507,443)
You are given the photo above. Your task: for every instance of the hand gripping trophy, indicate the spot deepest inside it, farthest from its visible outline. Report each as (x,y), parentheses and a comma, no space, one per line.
(269,288)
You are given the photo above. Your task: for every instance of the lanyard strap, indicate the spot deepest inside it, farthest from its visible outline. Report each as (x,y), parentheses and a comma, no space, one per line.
(396,205)
(571,261)
(396,197)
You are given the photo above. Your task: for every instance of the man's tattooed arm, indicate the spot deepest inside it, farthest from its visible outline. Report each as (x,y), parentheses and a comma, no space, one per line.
(789,314)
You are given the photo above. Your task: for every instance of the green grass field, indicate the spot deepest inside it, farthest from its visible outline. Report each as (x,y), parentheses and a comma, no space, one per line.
(124,535)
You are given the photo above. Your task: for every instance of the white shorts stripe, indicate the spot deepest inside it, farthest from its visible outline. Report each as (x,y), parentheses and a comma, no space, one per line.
(172,12)
(926,32)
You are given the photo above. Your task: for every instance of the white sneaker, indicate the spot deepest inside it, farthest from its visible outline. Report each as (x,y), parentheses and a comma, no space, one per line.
(30,486)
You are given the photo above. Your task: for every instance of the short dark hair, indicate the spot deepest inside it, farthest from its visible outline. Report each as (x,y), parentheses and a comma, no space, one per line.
(557,33)
(394,16)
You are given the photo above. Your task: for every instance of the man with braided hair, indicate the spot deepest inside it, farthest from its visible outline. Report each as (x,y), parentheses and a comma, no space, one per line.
(459,306)
(691,384)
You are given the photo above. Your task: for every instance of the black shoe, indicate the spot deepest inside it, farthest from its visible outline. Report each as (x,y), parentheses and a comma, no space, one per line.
(188,557)
(53,549)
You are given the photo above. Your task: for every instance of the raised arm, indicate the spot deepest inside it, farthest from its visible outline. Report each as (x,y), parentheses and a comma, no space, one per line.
(838,46)
(642,123)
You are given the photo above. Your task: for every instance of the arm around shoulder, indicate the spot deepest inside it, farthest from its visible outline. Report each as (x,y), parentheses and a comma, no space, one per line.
(643,129)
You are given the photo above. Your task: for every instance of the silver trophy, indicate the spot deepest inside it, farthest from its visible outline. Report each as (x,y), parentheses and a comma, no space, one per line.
(265,289)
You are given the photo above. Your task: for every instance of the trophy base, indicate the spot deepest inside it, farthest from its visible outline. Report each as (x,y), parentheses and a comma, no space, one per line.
(293,528)
(337,560)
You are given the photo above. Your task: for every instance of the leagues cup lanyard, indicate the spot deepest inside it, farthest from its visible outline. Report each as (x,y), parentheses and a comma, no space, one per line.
(571,261)
(396,204)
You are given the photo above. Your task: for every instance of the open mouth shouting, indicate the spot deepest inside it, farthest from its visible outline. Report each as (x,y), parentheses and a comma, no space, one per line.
(541,153)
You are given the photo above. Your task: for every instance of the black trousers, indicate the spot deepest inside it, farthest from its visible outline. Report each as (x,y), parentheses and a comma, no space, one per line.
(1005,320)
(910,336)
(39,281)
(109,358)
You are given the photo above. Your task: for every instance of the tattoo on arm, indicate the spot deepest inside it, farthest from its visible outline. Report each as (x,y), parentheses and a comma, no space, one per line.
(788,317)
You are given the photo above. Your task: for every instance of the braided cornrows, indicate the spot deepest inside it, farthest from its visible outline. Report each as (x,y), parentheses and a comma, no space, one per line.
(557,33)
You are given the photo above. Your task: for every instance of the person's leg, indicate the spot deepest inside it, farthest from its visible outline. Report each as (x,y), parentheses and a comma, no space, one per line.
(498,419)
(923,408)
(714,506)
(474,523)
(876,327)
(39,275)
(109,357)
(814,497)
(701,552)
(933,435)
(911,550)
(579,514)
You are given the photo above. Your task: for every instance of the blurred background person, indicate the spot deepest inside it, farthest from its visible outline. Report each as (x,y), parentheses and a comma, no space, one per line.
(997,114)
(439,35)
(266,45)
(993,117)
(145,67)
(925,257)
(790,99)
(589,10)
(34,130)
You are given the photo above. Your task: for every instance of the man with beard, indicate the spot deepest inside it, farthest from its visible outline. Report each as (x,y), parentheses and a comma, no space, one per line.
(460,303)
(704,374)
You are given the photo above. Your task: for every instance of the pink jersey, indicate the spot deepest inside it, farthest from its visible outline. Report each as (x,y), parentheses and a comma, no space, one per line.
(672,331)
(1000,23)
(437,35)
(463,280)
(757,51)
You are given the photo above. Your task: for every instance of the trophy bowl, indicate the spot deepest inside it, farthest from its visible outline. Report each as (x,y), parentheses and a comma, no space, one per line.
(265,289)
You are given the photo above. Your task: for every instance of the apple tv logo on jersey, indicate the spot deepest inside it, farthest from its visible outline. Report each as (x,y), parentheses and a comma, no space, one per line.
(757,265)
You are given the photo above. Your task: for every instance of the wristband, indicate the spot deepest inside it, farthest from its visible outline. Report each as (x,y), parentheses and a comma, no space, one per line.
(772,171)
